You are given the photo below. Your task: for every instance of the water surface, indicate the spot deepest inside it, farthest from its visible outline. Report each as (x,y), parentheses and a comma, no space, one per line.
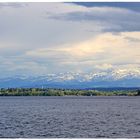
(70,117)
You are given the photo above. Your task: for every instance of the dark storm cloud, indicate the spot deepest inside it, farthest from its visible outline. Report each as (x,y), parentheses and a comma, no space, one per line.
(113,20)
(135,6)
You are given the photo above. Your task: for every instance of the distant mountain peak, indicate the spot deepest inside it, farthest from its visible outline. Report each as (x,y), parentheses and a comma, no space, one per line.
(117,77)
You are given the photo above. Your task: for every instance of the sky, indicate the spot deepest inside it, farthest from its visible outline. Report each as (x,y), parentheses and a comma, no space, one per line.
(45,38)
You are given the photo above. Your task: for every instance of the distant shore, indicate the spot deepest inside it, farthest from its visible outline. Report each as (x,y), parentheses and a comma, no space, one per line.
(66,92)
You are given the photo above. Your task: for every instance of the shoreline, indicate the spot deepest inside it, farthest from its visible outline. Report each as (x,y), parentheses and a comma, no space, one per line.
(68,96)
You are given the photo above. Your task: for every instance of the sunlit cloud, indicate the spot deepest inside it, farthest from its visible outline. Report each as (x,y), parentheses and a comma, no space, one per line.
(106,43)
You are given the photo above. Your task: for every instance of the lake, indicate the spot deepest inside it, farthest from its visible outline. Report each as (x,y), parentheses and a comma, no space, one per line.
(70,117)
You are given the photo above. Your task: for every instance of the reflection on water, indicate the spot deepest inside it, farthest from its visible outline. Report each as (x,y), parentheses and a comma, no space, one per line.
(70,117)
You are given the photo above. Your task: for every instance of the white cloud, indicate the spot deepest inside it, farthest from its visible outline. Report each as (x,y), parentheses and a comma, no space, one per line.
(44,38)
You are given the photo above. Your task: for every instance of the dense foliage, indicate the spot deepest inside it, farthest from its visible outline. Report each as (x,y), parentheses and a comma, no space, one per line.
(65,92)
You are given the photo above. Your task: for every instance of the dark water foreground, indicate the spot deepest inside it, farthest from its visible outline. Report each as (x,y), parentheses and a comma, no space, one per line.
(70,117)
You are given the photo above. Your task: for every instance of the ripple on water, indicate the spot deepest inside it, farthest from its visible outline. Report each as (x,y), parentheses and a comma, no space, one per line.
(74,117)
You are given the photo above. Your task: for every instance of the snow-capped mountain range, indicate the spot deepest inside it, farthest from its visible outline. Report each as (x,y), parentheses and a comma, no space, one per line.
(110,78)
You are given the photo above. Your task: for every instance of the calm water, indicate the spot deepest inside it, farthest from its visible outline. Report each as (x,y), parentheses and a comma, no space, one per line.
(80,117)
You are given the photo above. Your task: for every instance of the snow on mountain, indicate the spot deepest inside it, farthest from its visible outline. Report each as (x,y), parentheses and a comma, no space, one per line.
(120,77)
(126,73)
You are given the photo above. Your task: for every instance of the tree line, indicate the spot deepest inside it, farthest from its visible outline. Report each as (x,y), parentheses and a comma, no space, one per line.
(64,92)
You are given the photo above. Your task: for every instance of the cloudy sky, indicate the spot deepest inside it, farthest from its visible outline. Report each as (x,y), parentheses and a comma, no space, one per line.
(44,38)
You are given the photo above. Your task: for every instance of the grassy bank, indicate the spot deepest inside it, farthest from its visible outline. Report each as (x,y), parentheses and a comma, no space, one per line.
(65,92)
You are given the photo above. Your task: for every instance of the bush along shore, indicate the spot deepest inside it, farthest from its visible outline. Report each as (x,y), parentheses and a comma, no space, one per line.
(65,92)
